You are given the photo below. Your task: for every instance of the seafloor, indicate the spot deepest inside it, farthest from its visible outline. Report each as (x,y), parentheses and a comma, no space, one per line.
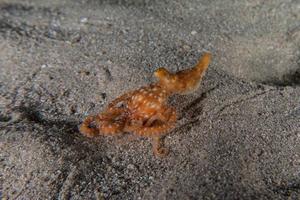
(237,137)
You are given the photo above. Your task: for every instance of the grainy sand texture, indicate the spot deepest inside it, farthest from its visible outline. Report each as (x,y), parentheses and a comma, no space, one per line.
(237,137)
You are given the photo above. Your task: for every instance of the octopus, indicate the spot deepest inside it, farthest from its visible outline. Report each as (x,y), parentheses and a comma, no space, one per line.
(145,112)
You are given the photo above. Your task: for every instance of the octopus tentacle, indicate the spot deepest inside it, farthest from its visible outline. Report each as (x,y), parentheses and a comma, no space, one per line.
(109,128)
(158,147)
(158,129)
(133,124)
(112,121)
(106,123)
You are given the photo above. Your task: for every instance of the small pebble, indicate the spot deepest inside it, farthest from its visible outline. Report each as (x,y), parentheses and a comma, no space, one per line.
(186,47)
(131,166)
(84,20)
(43,66)
(194,32)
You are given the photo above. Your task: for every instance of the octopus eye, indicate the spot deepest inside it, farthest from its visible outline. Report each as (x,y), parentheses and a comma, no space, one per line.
(93,124)
(121,105)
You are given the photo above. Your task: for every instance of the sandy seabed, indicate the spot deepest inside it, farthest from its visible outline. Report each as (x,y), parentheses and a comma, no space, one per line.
(237,137)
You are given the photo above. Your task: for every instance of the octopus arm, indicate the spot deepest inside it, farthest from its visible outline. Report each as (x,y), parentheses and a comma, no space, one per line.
(164,125)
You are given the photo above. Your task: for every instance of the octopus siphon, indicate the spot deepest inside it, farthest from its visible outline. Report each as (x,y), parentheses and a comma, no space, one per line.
(145,111)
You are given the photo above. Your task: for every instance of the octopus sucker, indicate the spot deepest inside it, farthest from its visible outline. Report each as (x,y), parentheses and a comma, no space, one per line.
(145,111)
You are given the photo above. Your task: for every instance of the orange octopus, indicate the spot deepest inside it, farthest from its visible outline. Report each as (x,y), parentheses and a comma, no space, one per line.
(145,111)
